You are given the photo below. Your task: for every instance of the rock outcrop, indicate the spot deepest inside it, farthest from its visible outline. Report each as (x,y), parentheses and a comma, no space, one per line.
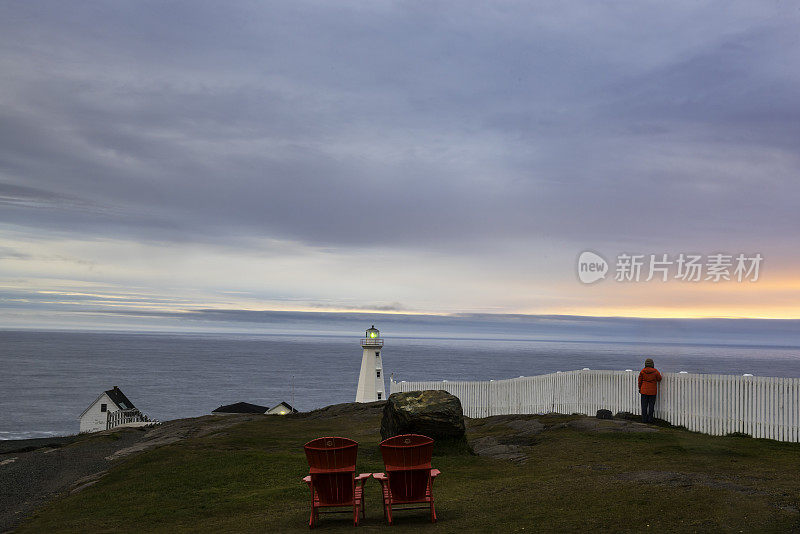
(436,414)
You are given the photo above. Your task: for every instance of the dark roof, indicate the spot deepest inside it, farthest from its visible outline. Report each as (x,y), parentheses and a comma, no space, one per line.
(241,407)
(119,398)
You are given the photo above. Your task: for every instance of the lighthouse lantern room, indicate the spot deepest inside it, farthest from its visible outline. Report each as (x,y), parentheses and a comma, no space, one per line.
(370,380)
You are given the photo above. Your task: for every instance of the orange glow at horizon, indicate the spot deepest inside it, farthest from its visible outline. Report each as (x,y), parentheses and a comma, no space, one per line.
(776,297)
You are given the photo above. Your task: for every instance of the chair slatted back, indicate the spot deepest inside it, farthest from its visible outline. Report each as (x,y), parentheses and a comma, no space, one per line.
(410,485)
(407,459)
(408,451)
(332,462)
(333,488)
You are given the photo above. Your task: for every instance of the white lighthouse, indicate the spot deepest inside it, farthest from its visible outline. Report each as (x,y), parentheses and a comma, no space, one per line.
(370,380)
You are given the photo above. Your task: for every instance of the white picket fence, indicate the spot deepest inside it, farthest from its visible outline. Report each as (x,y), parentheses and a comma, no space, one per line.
(763,407)
(126,417)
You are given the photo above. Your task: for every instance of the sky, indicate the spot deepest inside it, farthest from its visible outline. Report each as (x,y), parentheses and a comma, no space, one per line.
(161,160)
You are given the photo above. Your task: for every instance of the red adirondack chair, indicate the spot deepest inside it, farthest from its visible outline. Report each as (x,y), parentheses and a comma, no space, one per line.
(408,479)
(332,478)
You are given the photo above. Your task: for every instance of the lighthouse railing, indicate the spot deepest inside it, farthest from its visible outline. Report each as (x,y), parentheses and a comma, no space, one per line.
(760,406)
(372,341)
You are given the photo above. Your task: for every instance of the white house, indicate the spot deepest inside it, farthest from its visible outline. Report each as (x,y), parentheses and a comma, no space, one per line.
(112,408)
(281,409)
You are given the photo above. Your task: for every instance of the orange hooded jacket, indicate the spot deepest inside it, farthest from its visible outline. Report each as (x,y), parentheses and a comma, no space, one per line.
(649,378)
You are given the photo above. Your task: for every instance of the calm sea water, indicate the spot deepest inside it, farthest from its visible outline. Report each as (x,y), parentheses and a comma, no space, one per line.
(49,378)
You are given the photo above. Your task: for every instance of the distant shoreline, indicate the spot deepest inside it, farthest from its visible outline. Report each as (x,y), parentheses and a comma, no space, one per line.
(19,445)
(347,337)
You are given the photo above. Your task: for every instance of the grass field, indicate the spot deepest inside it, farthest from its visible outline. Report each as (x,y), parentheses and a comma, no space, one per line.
(247,479)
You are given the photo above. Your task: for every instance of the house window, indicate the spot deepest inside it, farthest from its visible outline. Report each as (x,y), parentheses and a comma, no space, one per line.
(104,407)
(378,372)
(377,354)
(379,396)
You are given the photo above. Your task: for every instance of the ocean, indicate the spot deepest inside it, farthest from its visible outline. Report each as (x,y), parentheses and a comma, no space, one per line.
(49,378)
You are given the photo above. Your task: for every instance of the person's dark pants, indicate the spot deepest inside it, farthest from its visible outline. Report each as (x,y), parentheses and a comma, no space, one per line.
(648,406)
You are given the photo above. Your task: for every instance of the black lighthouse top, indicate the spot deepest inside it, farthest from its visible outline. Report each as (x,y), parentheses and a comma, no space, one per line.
(372,338)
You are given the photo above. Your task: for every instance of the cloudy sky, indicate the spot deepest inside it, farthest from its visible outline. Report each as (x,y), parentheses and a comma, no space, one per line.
(415,157)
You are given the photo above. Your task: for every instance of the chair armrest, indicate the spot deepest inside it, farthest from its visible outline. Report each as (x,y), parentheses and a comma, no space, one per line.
(307,479)
(434,473)
(363,477)
(380,477)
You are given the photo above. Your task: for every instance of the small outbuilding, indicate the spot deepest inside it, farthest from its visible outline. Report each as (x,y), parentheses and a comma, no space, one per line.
(112,408)
(240,407)
(281,409)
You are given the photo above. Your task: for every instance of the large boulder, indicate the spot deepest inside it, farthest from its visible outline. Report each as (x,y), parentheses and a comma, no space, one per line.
(436,414)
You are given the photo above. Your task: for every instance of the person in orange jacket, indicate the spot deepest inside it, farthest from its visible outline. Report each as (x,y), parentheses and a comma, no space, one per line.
(649,377)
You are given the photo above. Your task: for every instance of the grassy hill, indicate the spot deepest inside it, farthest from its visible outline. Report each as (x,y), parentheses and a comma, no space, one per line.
(552,473)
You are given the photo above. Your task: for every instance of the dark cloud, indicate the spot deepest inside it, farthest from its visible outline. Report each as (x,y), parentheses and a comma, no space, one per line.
(12,254)
(733,332)
(393,307)
(12,196)
(412,124)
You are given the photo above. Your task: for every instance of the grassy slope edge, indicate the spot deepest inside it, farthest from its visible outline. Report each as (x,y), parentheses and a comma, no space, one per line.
(246,478)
